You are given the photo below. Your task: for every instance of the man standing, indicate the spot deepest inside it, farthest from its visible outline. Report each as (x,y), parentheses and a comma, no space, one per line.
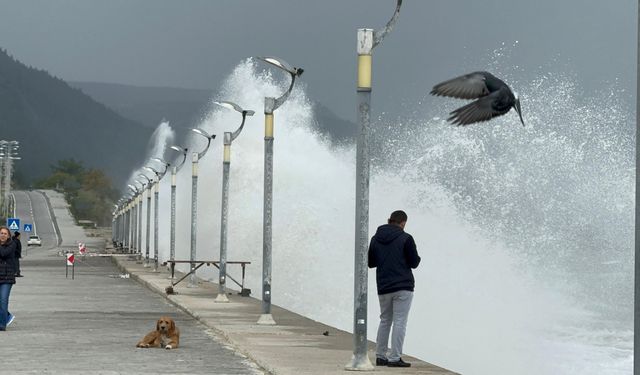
(393,253)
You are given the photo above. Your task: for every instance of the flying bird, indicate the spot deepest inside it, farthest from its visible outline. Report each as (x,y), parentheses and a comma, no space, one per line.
(494,97)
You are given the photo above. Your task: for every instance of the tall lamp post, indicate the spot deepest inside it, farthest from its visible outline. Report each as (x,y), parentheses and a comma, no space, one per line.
(156,201)
(226,166)
(140,199)
(367,41)
(174,172)
(194,201)
(636,304)
(148,229)
(134,212)
(270,105)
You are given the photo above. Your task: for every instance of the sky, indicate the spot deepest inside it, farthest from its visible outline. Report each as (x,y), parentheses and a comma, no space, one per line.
(197,43)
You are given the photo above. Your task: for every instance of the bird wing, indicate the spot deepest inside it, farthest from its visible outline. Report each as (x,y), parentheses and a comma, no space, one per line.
(468,86)
(477,111)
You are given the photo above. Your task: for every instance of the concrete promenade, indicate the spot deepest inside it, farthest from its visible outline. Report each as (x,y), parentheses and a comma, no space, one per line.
(90,325)
(296,345)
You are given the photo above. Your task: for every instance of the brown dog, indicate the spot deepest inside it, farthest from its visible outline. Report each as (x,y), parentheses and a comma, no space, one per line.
(165,336)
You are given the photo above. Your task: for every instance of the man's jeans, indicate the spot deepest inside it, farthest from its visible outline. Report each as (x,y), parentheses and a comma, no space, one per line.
(394,309)
(5,289)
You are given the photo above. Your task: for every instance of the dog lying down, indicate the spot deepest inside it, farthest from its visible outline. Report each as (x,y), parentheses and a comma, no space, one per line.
(166,335)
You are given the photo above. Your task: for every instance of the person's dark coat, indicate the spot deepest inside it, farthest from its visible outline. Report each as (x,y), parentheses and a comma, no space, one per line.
(393,253)
(18,247)
(18,254)
(8,262)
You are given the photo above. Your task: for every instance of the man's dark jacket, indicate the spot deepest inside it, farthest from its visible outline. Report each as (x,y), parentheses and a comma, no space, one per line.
(393,253)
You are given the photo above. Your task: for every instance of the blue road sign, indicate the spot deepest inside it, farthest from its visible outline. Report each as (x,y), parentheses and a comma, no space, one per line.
(13,223)
(27,228)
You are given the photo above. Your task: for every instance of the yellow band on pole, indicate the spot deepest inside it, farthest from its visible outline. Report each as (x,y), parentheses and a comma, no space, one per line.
(364,71)
(227,153)
(268,125)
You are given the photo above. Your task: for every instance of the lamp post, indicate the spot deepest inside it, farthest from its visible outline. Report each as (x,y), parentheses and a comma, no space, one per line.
(636,300)
(134,217)
(270,105)
(156,200)
(174,172)
(226,166)
(196,156)
(139,235)
(8,150)
(148,229)
(367,41)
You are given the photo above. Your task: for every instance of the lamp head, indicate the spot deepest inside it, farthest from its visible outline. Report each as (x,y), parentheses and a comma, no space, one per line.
(150,169)
(234,106)
(203,133)
(160,161)
(282,65)
(179,149)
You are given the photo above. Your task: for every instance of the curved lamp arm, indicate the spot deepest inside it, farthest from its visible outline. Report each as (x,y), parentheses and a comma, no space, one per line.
(134,189)
(271,106)
(237,108)
(206,135)
(378,35)
(150,169)
(184,155)
(149,181)
(164,163)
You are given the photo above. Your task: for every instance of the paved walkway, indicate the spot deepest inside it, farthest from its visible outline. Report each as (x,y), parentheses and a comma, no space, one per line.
(90,325)
(296,345)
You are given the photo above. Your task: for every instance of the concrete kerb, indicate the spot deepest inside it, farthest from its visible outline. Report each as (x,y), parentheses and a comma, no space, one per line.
(221,333)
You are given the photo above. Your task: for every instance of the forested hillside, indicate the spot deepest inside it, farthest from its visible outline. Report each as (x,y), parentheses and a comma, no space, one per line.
(53,121)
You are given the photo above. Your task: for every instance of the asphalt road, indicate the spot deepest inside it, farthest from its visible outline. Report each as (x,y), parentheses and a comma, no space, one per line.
(90,324)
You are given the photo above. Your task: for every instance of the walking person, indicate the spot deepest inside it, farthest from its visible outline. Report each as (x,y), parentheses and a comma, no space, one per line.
(7,275)
(16,238)
(393,253)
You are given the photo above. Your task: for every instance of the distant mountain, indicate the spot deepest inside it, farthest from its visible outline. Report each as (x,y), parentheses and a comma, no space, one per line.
(185,107)
(53,121)
(149,105)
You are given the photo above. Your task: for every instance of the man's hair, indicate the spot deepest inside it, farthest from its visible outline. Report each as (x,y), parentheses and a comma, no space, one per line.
(397,217)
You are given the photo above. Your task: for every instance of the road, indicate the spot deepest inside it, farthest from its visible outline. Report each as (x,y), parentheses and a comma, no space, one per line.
(90,324)
(32,208)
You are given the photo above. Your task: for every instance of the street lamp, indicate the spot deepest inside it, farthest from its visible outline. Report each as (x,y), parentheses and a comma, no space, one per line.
(140,198)
(367,41)
(270,105)
(194,201)
(148,229)
(174,172)
(134,216)
(156,200)
(226,165)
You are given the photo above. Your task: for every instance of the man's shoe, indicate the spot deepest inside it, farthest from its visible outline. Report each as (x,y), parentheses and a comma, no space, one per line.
(10,320)
(399,363)
(381,361)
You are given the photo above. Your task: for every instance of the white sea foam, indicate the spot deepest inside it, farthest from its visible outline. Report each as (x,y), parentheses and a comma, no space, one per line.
(525,233)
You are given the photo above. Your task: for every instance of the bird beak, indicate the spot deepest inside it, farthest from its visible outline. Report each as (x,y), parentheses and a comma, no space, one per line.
(517,107)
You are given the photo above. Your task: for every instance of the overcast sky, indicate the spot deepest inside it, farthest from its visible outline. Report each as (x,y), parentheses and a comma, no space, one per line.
(196,43)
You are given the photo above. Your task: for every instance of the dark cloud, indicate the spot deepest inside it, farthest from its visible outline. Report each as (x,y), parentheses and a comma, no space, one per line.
(197,43)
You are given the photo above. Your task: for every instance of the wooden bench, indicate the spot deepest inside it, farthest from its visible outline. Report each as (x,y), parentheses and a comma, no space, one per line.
(199,263)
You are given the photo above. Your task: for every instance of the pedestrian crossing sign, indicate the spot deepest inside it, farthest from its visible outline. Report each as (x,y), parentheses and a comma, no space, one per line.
(27,228)
(13,223)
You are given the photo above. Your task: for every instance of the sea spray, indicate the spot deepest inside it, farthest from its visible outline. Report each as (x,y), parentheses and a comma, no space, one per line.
(505,217)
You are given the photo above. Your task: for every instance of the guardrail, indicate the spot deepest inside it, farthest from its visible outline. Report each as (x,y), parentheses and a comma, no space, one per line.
(216,263)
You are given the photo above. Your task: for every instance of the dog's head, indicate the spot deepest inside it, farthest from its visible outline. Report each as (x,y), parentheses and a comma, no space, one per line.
(165,325)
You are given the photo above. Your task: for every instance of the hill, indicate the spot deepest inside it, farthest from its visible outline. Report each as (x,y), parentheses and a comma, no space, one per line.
(185,107)
(54,121)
